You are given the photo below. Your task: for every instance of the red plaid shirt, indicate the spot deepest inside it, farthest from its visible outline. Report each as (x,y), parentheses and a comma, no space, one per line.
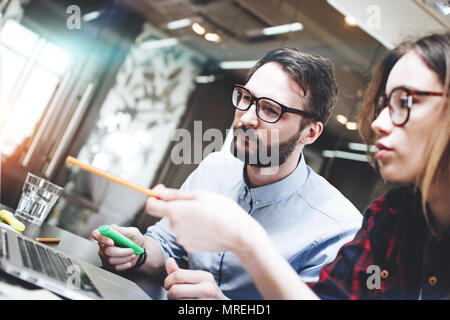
(394,246)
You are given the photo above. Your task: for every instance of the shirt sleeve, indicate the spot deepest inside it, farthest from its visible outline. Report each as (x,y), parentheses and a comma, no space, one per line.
(163,234)
(322,252)
(342,279)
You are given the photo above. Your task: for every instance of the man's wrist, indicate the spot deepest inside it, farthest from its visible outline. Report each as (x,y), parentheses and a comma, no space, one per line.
(141,259)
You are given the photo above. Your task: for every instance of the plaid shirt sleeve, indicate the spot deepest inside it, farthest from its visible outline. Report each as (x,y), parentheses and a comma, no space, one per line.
(345,277)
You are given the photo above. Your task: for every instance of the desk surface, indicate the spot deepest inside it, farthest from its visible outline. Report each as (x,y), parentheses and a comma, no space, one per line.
(85,250)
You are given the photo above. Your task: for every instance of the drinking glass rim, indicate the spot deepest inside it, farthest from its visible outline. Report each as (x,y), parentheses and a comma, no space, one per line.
(46,182)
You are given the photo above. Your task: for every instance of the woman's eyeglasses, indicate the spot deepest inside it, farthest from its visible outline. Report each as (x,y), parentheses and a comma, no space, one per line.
(400,102)
(267,109)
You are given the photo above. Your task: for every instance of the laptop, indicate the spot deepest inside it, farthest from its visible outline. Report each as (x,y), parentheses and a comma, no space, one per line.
(51,269)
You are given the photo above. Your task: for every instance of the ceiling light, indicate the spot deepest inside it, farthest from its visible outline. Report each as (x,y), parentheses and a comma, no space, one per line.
(237,64)
(443,7)
(205,79)
(213,37)
(178,24)
(198,29)
(344,155)
(92,15)
(361,147)
(351,21)
(351,125)
(153,44)
(282,29)
(341,119)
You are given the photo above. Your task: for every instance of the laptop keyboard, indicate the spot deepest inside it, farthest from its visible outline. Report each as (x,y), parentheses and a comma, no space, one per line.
(53,264)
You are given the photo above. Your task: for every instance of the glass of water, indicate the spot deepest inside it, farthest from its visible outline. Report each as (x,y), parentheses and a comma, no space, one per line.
(37,200)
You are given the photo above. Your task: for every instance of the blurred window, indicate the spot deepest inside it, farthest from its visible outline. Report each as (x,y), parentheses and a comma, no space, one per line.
(30,70)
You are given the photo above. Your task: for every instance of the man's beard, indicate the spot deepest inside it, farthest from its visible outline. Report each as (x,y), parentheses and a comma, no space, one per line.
(271,156)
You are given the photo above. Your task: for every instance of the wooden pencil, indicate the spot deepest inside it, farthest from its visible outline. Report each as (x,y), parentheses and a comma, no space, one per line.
(104,174)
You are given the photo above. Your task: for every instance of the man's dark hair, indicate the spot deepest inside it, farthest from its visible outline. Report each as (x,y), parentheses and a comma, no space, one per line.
(314,74)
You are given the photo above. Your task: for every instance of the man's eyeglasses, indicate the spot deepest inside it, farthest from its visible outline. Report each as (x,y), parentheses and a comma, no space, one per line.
(267,109)
(400,102)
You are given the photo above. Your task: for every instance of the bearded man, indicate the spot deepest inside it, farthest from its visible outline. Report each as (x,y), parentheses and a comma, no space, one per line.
(282,108)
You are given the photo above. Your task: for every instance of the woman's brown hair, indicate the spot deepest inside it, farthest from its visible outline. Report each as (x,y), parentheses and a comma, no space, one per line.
(434,50)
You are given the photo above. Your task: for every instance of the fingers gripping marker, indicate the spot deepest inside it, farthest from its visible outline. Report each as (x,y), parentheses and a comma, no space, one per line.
(120,239)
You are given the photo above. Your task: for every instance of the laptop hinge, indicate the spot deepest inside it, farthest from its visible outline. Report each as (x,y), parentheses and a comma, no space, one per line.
(3,244)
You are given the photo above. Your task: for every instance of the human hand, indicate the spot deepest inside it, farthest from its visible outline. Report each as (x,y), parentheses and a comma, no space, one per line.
(204,221)
(117,258)
(190,284)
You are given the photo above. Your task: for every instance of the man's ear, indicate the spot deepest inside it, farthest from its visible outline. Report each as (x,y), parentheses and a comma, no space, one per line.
(312,132)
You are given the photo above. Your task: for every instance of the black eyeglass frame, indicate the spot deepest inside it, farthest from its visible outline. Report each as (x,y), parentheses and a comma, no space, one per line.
(384,101)
(284,108)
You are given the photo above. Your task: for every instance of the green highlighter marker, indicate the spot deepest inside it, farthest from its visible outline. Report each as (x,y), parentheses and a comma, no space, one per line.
(119,238)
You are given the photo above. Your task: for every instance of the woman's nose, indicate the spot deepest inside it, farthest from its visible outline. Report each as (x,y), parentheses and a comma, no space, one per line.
(383,123)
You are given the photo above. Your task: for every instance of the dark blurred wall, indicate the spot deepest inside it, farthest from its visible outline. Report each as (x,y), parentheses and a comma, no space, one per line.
(354,179)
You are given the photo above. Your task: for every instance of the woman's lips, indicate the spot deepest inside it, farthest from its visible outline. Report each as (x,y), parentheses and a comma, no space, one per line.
(382,152)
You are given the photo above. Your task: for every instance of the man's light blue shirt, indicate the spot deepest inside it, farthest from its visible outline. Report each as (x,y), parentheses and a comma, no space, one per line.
(306,218)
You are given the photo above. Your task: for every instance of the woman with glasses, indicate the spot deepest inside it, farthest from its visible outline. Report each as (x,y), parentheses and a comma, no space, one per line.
(402,249)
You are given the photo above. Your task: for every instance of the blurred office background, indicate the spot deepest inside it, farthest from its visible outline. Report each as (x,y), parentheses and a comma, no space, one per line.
(109,81)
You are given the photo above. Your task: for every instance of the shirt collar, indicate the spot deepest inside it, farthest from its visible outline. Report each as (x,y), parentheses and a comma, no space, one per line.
(280,190)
